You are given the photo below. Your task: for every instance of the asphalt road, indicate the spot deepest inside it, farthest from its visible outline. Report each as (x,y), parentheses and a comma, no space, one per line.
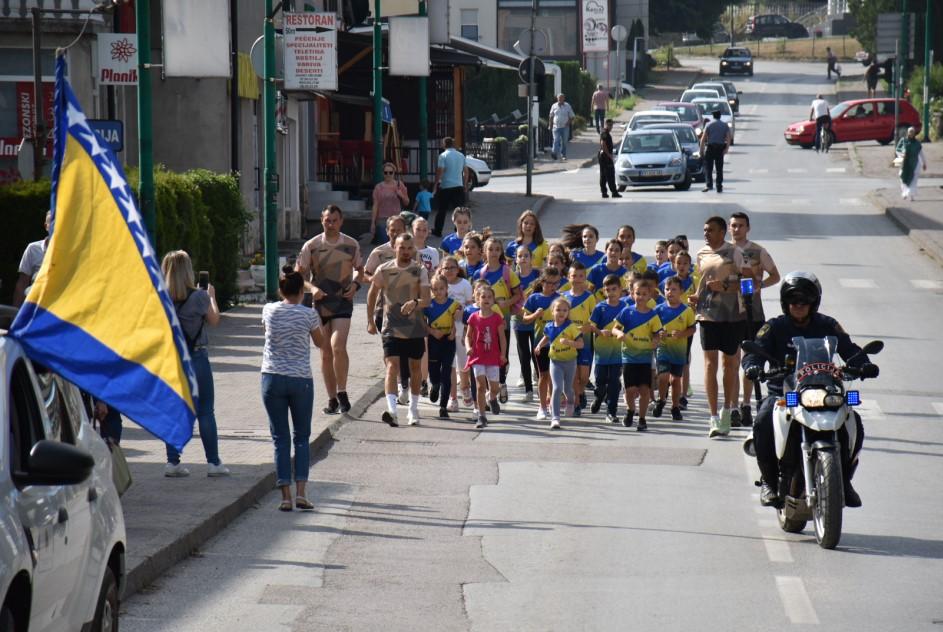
(597,527)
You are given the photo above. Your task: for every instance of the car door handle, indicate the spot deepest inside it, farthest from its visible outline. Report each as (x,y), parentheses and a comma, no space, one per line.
(63,515)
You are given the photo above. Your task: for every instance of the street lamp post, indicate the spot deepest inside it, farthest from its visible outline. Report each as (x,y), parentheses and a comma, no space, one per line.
(423,116)
(377,94)
(927,58)
(270,225)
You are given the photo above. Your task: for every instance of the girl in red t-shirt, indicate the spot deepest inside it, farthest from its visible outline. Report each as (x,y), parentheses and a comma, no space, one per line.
(486,344)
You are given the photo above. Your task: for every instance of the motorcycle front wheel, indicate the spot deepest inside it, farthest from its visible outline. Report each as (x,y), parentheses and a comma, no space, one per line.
(829,499)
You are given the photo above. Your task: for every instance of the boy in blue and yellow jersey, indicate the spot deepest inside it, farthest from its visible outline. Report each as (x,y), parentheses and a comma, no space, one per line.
(678,322)
(537,314)
(582,301)
(637,327)
(610,265)
(524,332)
(440,326)
(607,348)
(689,280)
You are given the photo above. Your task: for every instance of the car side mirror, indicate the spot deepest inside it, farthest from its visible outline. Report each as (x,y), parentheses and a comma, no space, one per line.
(56,463)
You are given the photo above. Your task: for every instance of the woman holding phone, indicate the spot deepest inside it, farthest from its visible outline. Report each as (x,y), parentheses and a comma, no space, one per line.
(196,308)
(389,198)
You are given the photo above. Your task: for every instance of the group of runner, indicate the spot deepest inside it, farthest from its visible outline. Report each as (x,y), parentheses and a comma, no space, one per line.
(446,317)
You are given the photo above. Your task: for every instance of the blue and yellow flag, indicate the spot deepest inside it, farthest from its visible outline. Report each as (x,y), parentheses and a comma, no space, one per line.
(98,313)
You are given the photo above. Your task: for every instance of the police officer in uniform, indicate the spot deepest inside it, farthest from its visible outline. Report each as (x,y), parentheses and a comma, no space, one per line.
(799,295)
(715,141)
(607,167)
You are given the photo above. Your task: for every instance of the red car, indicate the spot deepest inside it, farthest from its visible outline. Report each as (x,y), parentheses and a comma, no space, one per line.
(687,112)
(860,119)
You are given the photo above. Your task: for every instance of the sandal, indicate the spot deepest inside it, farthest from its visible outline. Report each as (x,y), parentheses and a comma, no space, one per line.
(285,505)
(303,503)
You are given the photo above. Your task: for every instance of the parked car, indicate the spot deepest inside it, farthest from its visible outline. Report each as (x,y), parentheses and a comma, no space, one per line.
(722,90)
(687,112)
(734,100)
(690,94)
(647,118)
(773,25)
(479,172)
(689,144)
(62,535)
(859,120)
(651,157)
(707,107)
(736,59)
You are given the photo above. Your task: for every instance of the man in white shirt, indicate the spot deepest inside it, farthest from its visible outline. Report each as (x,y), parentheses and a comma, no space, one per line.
(561,119)
(819,113)
(30,263)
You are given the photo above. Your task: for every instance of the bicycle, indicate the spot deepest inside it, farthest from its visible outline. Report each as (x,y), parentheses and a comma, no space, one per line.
(827,138)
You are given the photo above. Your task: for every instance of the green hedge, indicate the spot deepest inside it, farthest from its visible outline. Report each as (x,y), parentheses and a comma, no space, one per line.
(197,211)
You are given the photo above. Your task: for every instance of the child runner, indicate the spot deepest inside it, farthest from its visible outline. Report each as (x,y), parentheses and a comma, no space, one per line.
(561,251)
(424,197)
(582,301)
(682,264)
(524,332)
(460,291)
(529,235)
(608,348)
(588,255)
(471,254)
(537,313)
(667,269)
(661,255)
(440,319)
(610,265)
(631,260)
(507,293)
(672,356)
(429,257)
(462,220)
(637,326)
(487,347)
(565,340)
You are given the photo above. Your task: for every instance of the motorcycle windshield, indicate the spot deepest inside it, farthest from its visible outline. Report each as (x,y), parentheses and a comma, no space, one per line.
(815,364)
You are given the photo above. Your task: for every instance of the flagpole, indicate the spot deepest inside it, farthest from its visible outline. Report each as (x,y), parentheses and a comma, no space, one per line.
(142,11)
(270,224)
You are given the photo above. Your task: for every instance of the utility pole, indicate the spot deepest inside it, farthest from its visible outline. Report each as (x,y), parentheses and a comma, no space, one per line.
(531,123)
(927,58)
(39,121)
(142,14)
(377,95)
(423,115)
(270,225)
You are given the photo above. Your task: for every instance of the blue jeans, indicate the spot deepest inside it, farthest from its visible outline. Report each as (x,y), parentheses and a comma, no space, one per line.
(560,136)
(281,394)
(200,359)
(599,117)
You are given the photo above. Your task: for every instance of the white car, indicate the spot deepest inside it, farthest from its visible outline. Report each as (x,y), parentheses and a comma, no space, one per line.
(647,118)
(62,535)
(707,107)
(479,172)
(689,95)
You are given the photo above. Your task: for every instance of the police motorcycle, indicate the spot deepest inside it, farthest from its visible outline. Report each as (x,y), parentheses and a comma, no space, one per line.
(815,405)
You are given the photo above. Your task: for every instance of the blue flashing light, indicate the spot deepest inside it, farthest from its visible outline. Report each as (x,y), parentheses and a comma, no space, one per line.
(792,399)
(853,398)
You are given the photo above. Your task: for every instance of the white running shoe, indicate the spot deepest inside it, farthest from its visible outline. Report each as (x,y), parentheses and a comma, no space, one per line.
(175,471)
(520,382)
(453,405)
(412,418)
(528,397)
(403,398)
(217,470)
(541,415)
(555,423)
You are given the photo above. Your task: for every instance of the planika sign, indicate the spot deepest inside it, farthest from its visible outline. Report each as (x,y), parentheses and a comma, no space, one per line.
(310,51)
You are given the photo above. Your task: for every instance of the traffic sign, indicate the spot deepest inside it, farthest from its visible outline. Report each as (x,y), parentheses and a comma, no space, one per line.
(619,33)
(112,132)
(539,42)
(888,34)
(524,69)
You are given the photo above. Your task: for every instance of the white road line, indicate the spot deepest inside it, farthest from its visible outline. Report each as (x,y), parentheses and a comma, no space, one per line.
(835,170)
(858,284)
(759,170)
(771,523)
(796,600)
(777,550)
(926,284)
(870,409)
(797,170)
(800,201)
(938,407)
(851,201)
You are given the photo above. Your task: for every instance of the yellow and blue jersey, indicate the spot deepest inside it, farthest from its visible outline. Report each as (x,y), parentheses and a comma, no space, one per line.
(628,301)
(528,281)
(532,304)
(538,252)
(639,262)
(441,316)
(608,350)
(581,307)
(497,281)
(598,273)
(680,318)
(640,329)
(688,286)
(557,333)
(588,260)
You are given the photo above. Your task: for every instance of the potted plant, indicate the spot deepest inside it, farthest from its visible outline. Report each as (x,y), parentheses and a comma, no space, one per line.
(257,269)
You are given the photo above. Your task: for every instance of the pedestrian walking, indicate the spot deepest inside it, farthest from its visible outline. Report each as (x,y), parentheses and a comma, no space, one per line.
(581,301)
(638,327)
(561,124)
(715,142)
(196,308)
(832,63)
(564,340)
(871,76)
(389,198)
(600,104)
(30,262)
(287,385)
(332,265)
(607,349)
(462,222)
(530,236)
(819,112)
(404,286)
(424,197)
(913,162)
(487,342)
(451,182)
(671,357)
(607,166)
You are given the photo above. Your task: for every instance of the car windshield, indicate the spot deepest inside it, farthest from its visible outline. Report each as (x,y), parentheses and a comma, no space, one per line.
(685,134)
(690,95)
(838,110)
(708,106)
(721,91)
(649,143)
(736,52)
(684,113)
(644,121)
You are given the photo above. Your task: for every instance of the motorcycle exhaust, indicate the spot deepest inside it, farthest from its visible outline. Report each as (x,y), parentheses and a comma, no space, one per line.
(748,448)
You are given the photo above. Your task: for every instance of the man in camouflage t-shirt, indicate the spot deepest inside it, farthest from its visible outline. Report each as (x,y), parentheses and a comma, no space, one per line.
(404,285)
(721,318)
(332,265)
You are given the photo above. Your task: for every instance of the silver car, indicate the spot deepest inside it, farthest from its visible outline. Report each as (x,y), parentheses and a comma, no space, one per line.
(651,157)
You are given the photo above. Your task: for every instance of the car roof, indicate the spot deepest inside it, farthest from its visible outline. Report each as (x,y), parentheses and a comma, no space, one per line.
(648,130)
(654,113)
(676,104)
(672,127)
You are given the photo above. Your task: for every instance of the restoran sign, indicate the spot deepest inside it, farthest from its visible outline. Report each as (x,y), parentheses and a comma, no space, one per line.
(310,51)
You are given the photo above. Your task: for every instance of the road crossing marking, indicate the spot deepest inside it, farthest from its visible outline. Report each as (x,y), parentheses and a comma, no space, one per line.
(800,201)
(858,284)
(759,170)
(777,549)
(938,407)
(851,201)
(797,170)
(926,284)
(796,600)
(835,170)
(869,409)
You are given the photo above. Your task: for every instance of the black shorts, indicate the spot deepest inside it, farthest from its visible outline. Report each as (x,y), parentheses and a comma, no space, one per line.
(722,336)
(334,307)
(543,360)
(751,328)
(412,348)
(676,370)
(637,375)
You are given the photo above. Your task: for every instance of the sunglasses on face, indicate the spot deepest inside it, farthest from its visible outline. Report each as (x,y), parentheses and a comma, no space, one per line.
(387,173)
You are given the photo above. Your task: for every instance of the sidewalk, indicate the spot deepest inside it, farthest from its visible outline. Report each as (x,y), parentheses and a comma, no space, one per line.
(583,147)
(169,519)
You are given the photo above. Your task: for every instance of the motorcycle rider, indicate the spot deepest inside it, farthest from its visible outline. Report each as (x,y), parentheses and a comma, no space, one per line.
(799,295)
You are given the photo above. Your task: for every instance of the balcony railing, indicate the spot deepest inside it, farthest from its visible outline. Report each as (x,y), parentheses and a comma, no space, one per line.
(20,9)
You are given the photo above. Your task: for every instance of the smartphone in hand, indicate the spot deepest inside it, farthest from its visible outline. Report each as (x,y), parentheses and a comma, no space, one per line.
(204,281)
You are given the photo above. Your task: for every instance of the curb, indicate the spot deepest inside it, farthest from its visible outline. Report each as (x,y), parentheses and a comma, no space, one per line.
(558,168)
(926,245)
(163,560)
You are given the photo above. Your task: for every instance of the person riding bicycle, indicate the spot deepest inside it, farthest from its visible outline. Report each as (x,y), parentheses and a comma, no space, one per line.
(819,113)
(799,295)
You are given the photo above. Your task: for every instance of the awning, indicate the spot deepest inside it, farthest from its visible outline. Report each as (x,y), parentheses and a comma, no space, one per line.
(508,58)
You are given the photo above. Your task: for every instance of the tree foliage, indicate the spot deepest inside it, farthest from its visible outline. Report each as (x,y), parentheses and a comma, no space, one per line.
(866,13)
(688,16)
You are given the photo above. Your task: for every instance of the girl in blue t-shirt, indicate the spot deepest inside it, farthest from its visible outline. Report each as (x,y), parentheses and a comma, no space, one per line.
(524,332)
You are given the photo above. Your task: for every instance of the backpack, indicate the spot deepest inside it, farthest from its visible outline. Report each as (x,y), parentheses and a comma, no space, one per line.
(506,275)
